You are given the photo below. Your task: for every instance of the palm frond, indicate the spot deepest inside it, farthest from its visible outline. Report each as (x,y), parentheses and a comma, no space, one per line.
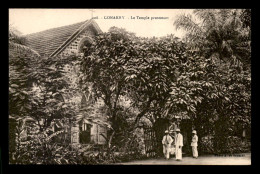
(17,43)
(208,17)
(16,36)
(21,48)
(187,23)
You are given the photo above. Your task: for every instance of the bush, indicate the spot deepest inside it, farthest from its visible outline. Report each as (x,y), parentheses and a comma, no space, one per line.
(234,145)
(206,145)
(237,145)
(131,149)
(106,157)
(43,149)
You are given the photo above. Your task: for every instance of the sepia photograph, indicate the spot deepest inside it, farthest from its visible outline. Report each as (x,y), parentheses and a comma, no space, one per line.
(129,86)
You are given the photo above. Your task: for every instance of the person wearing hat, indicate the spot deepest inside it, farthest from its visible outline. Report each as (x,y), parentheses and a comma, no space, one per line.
(178,144)
(167,141)
(194,144)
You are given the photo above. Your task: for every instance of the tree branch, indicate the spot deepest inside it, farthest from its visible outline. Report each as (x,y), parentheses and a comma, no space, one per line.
(117,95)
(139,116)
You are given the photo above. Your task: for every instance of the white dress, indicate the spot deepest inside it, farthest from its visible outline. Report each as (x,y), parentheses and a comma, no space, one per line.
(178,143)
(194,145)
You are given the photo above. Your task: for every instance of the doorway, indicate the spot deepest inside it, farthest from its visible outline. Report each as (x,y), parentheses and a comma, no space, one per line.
(84,134)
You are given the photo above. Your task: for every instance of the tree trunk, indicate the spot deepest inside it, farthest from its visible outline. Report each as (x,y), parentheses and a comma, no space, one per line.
(110,140)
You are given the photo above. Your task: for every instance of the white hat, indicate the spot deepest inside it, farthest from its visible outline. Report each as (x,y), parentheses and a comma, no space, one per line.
(166,131)
(194,132)
(178,130)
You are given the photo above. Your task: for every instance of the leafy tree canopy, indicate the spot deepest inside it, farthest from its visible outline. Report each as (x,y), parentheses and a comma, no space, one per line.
(218,32)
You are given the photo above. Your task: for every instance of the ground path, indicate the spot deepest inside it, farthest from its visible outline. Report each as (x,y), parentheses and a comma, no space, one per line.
(237,159)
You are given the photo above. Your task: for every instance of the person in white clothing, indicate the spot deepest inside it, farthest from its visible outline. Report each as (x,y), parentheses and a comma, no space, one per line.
(178,144)
(194,144)
(167,141)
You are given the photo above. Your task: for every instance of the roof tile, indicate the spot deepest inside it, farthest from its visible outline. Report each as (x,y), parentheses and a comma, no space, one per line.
(47,41)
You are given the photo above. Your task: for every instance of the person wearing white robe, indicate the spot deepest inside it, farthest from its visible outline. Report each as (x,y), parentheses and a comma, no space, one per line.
(167,141)
(194,144)
(178,144)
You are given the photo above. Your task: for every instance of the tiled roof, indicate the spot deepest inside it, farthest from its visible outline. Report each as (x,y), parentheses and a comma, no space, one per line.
(47,41)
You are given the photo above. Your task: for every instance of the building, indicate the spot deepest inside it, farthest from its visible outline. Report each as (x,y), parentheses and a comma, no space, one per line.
(64,41)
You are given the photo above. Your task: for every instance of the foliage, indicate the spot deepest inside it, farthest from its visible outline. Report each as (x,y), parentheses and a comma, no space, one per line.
(18,87)
(163,77)
(217,32)
(237,145)
(130,151)
(103,69)
(137,69)
(46,87)
(38,90)
(19,84)
(93,113)
(219,37)
(151,74)
(17,43)
(234,145)
(206,145)
(246,18)
(37,86)
(41,149)
(49,90)
(207,79)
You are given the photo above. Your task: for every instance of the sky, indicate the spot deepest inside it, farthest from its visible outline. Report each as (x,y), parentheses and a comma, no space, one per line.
(139,21)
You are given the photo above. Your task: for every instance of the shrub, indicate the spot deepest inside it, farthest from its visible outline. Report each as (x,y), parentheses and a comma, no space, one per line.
(234,145)
(206,145)
(43,149)
(237,145)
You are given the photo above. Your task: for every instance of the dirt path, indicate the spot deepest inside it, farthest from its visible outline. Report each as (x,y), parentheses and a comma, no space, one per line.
(238,159)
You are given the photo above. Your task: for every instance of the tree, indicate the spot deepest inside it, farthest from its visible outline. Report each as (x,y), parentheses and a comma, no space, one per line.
(19,84)
(163,77)
(17,43)
(217,32)
(119,66)
(37,87)
(246,18)
(50,90)
(221,37)
(19,59)
(39,94)
(103,68)
(154,70)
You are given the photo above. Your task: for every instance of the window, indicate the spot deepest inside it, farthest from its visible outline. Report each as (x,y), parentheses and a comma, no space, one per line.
(84,45)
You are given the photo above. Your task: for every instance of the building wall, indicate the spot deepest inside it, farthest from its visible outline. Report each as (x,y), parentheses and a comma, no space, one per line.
(72,48)
(96,130)
(75,134)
